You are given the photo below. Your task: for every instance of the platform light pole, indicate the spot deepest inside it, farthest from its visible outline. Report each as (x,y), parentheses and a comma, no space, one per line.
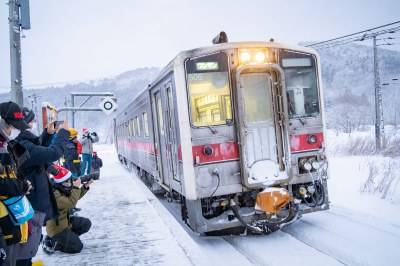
(18,19)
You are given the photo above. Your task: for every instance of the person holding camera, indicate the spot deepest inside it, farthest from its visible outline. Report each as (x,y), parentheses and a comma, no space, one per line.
(11,154)
(42,199)
(71,159)
(87,141)
(63,232)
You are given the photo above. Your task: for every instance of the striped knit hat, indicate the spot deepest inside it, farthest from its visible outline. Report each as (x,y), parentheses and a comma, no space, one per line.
(63,174)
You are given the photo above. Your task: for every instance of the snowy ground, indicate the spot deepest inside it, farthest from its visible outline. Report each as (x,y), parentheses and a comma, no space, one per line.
(131,227)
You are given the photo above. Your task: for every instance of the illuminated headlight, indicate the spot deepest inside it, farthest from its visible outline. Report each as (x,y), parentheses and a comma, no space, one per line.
(260,57)
(245,57)
(312,139)
(251,56)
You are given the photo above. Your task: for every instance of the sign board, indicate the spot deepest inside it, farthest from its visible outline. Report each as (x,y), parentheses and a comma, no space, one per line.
(108,105)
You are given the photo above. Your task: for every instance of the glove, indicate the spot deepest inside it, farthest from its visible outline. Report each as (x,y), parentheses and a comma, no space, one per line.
(94,134)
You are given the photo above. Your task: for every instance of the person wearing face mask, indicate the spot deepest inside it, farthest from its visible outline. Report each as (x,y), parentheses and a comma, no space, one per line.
(34,169)
(63,232)
(11,154)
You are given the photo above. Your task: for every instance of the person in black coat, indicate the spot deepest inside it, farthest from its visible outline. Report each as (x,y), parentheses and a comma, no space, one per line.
(34,169)
(71,155)
(11,154)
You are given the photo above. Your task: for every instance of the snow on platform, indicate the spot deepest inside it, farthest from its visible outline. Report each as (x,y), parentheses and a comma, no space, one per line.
(126,229)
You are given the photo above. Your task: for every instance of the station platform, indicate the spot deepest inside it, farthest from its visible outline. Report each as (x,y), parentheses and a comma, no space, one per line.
(127,226)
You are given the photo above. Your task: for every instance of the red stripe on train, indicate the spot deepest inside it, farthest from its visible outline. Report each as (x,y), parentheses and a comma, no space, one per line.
(301,143)
(142,146)
(222,152)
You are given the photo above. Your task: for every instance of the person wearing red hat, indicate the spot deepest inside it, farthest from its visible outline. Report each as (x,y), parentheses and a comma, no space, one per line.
(42,154)
(87,141)
(63,232)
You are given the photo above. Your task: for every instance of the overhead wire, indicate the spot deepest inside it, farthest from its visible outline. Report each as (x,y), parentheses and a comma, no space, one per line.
(359,36)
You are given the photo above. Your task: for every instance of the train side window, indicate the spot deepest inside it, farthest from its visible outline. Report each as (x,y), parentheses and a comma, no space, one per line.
(209,90)
(145,125)
(138,126)
(129,128)
(160,117)
(133,127)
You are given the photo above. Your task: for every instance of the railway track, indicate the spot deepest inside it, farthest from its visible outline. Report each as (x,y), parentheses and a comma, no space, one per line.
(328,238)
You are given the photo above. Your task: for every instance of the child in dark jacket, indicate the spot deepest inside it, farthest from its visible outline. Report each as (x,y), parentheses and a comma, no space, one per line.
(97,163)
(63,232)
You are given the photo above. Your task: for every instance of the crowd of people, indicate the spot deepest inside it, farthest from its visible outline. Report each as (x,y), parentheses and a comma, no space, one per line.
(45,171)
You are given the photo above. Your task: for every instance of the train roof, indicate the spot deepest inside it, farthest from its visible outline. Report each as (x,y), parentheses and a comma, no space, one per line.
(180,57)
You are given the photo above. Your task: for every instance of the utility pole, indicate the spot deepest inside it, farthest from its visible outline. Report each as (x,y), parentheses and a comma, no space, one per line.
(17,23)
(379,123)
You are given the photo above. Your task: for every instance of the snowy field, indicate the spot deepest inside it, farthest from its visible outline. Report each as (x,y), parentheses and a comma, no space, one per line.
(131,227)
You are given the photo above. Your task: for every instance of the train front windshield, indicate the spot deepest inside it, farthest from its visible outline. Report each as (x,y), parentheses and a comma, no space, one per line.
(209,90)
(301,84)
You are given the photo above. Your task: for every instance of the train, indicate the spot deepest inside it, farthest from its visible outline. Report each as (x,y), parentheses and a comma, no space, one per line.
(234,133)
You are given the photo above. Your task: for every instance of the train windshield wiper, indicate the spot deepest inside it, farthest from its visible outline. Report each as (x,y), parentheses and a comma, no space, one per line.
(213,130)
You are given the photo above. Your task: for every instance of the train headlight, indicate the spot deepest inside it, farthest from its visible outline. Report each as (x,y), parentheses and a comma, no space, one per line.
(260,57)
(245,57)
(253,56)
(312,139)
(208,150)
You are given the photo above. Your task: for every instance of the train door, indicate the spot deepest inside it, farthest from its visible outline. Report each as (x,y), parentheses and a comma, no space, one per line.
(160,137)
(170,133)
(167,155)
(257,123)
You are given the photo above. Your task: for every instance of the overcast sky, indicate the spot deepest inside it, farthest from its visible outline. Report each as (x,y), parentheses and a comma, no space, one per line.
(74,40)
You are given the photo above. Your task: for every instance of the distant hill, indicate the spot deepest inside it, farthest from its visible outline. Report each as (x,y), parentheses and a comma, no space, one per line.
(349,85)
(348,81)
(125,87)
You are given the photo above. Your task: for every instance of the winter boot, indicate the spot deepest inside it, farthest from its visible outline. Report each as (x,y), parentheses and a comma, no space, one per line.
(48,245)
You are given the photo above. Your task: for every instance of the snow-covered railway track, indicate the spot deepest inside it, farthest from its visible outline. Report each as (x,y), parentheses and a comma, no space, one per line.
(335,237)
(254,249)
(351,238)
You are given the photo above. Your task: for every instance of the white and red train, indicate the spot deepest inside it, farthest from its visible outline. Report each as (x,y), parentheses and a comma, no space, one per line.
(235,133)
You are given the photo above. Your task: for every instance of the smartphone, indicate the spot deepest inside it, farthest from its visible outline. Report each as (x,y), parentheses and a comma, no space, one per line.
(58,123)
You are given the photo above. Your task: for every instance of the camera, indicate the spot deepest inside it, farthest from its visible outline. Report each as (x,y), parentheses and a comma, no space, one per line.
(58,123)
(86,178)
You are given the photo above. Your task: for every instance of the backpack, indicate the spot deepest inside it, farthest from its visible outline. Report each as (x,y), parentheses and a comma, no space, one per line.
(96,162)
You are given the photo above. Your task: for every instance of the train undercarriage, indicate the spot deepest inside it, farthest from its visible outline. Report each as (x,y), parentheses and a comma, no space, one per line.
(238,213)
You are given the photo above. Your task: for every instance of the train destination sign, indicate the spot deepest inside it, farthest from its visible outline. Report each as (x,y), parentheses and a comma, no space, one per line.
(206,66)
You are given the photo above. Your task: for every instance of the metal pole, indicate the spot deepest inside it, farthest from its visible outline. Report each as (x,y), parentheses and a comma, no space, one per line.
(379,123)
(72,112)
(15,53)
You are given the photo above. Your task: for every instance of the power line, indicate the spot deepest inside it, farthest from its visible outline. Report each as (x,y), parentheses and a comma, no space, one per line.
(342,37)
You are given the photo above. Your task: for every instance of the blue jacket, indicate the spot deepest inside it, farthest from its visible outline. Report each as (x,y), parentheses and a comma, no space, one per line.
(42,196)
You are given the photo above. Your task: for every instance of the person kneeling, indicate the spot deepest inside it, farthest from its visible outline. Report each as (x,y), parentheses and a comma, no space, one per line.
(63,232)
